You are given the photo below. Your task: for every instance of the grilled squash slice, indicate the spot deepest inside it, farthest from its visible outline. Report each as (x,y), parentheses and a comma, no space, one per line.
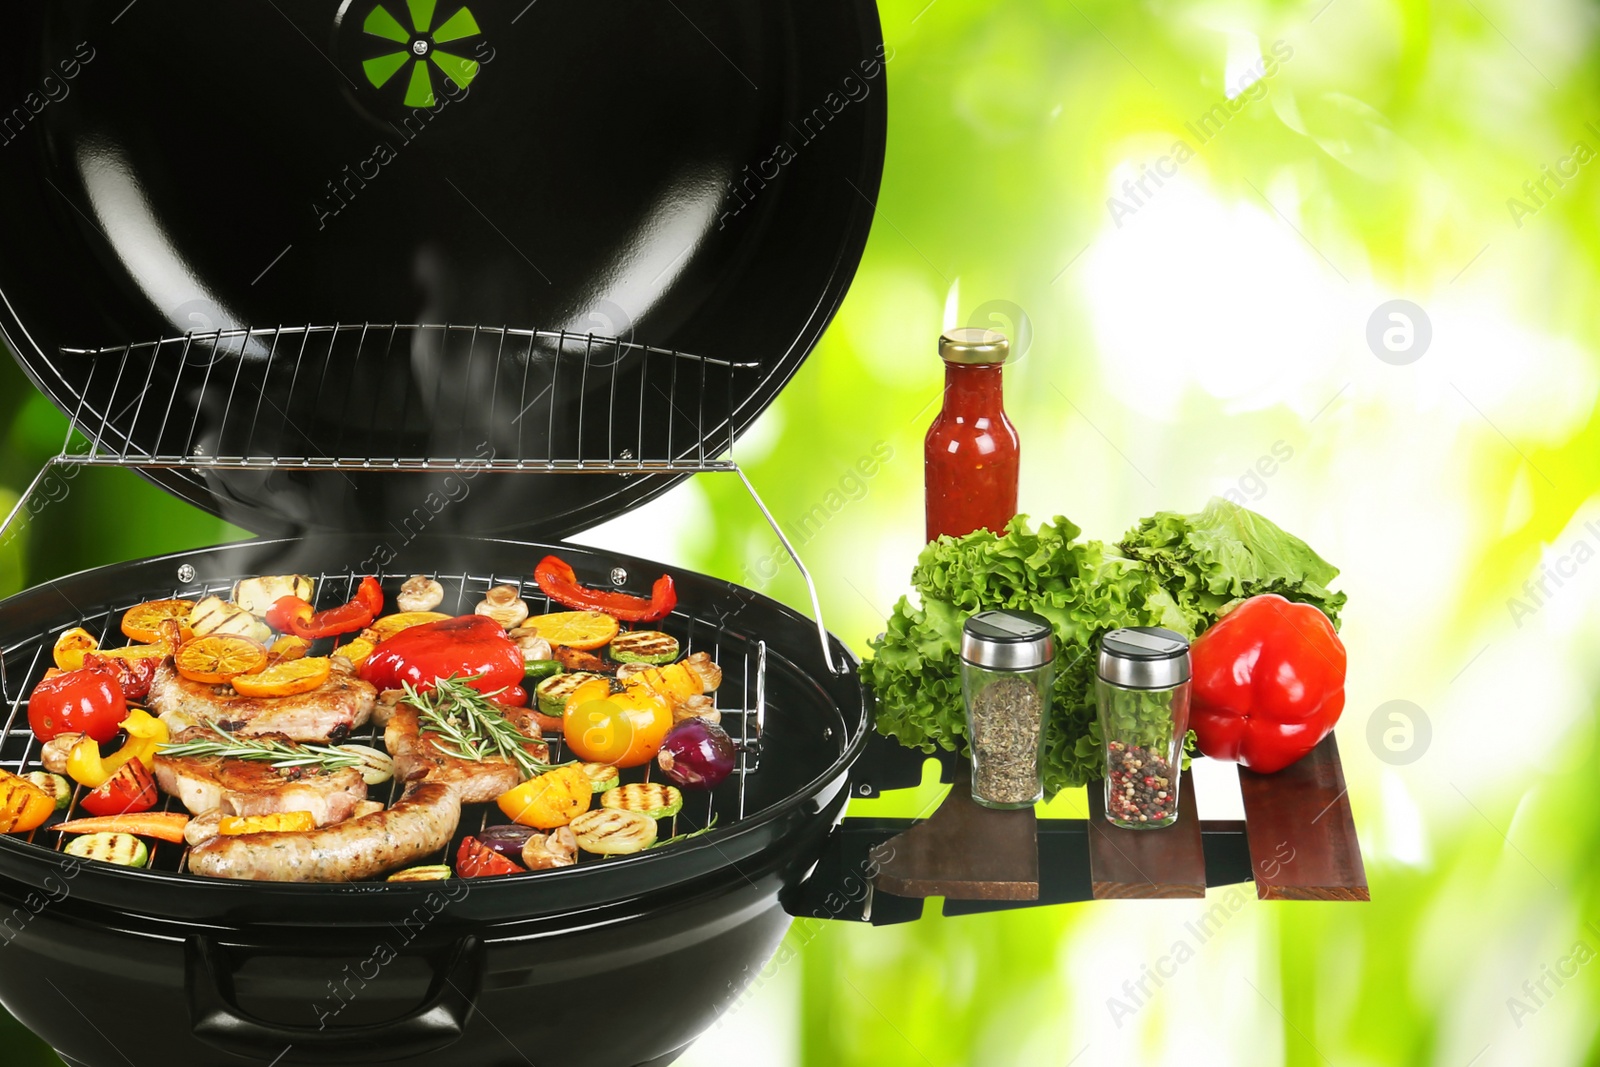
(608,832)
(647,798)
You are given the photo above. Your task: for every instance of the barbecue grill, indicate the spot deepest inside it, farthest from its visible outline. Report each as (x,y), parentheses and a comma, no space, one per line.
(525,267)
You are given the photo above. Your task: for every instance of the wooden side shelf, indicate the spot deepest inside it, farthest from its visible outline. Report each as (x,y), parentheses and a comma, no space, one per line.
(1296,842)
(1302,835)
(1146,864)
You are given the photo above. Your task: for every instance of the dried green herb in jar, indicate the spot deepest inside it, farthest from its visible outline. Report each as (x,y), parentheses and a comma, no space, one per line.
(1007,663)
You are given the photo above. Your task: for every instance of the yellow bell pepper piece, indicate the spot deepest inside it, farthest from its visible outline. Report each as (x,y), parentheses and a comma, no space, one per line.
(146,734)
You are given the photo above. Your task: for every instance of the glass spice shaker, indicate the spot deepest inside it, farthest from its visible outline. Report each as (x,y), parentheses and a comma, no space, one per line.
(1007,667)
(1142,689)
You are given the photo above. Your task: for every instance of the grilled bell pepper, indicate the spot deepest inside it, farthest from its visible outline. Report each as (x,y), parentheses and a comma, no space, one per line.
(85,701)
(470,647)
(145,733)
(558,581)
(23,805)
(1268,683)
(128,792)
(134,673)
(293,615)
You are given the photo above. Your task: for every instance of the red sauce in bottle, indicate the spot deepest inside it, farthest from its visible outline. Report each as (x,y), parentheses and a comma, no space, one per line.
(971,454)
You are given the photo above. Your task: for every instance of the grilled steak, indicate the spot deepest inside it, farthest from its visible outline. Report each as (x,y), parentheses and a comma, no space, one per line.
(244,787)
(330,712)
(417,758)
(419,825)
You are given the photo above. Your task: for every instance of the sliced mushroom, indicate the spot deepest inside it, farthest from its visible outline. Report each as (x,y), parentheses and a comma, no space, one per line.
(420,593)
(533,646)
(504,604)
(55,752)
(558,848)
(700,707)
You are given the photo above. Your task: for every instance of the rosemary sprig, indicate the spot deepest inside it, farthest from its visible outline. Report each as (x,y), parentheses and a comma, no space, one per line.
(283,755)
(706,829)
(470,726)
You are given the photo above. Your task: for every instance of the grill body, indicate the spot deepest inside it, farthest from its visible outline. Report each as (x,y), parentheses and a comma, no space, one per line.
(613,962)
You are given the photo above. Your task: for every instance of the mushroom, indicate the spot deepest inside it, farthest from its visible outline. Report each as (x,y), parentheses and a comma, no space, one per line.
(420,593)
(504,605)
(56,751)
(533,646)
(558,848)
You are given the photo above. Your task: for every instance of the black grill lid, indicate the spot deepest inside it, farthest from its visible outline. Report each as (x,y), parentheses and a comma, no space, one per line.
(697,176)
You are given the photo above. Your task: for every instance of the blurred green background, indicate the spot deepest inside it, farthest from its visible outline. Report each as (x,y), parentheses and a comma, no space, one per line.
(1181,333)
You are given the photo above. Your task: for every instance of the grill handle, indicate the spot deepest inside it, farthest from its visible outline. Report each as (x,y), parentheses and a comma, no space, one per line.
(438,1023)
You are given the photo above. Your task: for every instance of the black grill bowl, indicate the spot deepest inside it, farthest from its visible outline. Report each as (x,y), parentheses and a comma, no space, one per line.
(612,963)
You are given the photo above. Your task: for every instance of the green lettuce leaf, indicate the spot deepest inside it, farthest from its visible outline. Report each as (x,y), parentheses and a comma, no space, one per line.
(1177,571)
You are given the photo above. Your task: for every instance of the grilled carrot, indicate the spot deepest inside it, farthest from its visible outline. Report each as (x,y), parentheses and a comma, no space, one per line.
(161,825)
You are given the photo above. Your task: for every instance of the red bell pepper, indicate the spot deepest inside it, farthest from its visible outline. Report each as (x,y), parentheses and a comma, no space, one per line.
(474,859)
(1268,683)
(559,582)
(472,646)
(292,615)
(130,791)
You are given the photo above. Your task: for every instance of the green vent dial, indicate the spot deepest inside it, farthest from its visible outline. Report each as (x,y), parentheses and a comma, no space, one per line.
(420,49)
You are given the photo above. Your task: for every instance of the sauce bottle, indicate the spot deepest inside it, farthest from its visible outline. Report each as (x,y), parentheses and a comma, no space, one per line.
(970,456)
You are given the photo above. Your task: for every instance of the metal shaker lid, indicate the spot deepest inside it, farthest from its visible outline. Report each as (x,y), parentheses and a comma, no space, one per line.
(1004,640)
(1144,657)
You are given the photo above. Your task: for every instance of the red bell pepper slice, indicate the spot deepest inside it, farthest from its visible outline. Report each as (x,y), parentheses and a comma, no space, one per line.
(471,646)
(130,791)
(1268,683)
(474,859)
(293,615)
(558,581)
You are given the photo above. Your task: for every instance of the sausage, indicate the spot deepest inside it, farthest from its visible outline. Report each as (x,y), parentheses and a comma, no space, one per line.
(419,825)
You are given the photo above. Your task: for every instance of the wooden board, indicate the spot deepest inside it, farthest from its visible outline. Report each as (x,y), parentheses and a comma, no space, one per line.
(1302,835)
(963,852)
(1146,864)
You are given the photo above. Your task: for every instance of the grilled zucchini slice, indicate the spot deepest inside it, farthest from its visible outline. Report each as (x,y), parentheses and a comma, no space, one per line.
(436,873)
(602,776)
(647,798)
(124,850)
(609,832)
(553,692)
(57,787)
(257,595)
(644,646)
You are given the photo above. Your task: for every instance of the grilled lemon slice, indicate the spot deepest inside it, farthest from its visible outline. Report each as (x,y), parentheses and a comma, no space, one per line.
(583,630)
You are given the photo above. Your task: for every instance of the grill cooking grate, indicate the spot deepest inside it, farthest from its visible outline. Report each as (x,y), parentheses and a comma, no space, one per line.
(402,397)
(741,701)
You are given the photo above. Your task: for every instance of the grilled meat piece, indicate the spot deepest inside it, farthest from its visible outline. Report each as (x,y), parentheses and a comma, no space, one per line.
(245,787)
(330,712)
(573,659)
(419,825)
(417,758)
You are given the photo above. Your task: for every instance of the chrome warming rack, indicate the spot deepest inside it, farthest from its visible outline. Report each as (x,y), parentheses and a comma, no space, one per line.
(484,399)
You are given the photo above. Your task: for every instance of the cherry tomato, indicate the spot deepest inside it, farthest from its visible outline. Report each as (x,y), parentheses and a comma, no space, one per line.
(85,701)
(622,730)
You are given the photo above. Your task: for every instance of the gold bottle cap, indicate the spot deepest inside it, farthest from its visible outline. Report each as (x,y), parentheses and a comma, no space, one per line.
(970,344)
